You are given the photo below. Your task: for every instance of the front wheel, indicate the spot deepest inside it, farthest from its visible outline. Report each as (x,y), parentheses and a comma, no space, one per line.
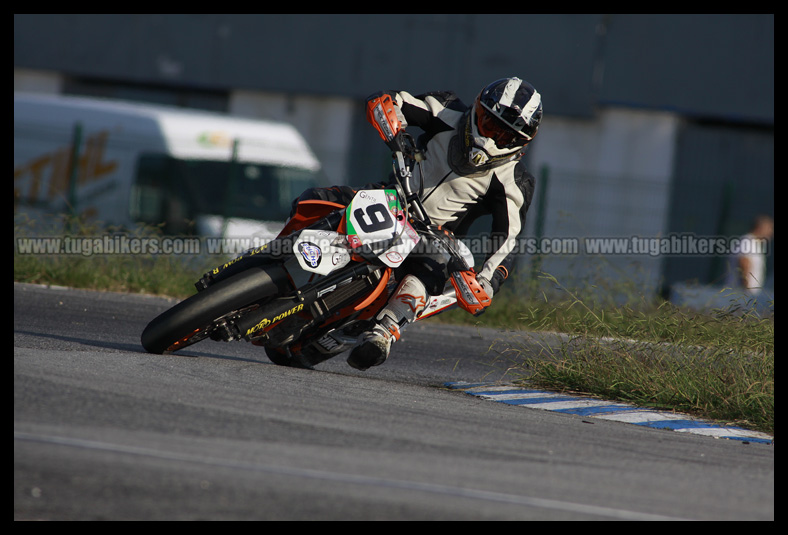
(192,319)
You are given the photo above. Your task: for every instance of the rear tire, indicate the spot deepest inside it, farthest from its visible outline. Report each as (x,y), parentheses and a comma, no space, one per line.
(198,312)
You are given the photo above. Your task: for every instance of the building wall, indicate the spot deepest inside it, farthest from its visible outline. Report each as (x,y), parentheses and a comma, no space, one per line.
(325,122)
(692,64)
(639,109)
(605,177)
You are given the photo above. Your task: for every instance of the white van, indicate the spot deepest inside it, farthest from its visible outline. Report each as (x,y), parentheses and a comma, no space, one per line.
(194,172)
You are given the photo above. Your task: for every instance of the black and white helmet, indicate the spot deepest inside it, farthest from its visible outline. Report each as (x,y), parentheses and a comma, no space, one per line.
(506,117)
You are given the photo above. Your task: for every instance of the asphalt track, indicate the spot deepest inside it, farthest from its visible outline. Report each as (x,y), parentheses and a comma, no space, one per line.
(105,431)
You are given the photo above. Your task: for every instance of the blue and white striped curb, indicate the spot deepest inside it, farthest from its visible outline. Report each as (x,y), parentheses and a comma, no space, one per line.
(605,410)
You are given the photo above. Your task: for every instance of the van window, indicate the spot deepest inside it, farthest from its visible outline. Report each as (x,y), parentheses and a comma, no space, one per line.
(174,192)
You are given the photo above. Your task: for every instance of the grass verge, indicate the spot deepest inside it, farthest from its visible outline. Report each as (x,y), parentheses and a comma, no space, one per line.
(716,364)
(60,253)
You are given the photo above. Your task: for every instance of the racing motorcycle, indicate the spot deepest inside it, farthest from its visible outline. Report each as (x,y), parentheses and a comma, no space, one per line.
(309,293)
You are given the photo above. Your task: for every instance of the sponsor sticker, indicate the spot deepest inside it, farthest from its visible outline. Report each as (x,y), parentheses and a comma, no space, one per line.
(310,252)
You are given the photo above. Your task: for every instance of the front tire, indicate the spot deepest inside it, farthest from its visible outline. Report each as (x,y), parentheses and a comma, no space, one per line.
(188,321)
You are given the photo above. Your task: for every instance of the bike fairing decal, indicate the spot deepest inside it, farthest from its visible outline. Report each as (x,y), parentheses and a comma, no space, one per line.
(310,252)
(394,257)
(265,322)
(371,212)
(375,218)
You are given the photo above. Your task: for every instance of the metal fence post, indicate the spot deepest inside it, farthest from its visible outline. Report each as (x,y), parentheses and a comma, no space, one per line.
(541,203)
(73,175)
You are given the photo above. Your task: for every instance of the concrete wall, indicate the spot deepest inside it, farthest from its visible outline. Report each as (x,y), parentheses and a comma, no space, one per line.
(606,177)
(325,122)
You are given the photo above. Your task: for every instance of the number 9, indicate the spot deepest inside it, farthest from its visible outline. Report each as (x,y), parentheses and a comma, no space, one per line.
(377,217)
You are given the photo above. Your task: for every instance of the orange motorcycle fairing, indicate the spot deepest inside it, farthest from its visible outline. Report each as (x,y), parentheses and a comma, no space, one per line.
(308,212)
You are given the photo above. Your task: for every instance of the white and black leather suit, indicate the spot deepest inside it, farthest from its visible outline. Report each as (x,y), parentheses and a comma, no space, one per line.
(456,192)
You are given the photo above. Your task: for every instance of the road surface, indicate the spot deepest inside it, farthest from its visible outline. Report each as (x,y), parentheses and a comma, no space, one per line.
(105,431)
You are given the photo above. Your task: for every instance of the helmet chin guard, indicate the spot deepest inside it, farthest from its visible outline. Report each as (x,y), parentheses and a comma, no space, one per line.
(482,150)
(504,118)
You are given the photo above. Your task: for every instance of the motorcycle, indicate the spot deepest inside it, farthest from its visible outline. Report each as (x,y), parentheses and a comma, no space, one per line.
(307,295)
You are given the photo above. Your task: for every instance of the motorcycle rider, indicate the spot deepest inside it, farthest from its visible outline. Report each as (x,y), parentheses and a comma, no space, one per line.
(471,167)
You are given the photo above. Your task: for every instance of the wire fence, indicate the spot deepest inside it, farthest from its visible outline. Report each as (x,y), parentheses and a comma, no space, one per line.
(572,211)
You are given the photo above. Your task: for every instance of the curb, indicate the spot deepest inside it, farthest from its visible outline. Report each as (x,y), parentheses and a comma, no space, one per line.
(606,410)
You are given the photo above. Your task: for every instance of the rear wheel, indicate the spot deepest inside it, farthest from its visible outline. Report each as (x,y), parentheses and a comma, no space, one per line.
(194,318)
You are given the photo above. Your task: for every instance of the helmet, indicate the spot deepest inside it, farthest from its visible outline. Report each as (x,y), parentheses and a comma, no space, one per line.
(505,117)
(508,111)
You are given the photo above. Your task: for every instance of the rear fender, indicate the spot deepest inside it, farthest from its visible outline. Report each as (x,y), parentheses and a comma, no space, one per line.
(309,212)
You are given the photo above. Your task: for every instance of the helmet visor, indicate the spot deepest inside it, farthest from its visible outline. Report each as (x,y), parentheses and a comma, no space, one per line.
(504,136)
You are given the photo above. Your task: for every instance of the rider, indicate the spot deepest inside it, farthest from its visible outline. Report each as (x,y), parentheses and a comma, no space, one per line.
(470,167)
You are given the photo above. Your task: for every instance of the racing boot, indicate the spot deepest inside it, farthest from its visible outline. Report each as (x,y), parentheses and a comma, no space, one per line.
(404,306)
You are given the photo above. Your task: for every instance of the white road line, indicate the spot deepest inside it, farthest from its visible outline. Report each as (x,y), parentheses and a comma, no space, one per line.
(461,492)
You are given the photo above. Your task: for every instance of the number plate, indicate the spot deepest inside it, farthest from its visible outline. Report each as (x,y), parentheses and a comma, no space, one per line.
(375,217)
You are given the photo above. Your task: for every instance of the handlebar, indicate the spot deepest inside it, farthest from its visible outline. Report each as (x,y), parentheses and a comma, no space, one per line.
(404,155)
